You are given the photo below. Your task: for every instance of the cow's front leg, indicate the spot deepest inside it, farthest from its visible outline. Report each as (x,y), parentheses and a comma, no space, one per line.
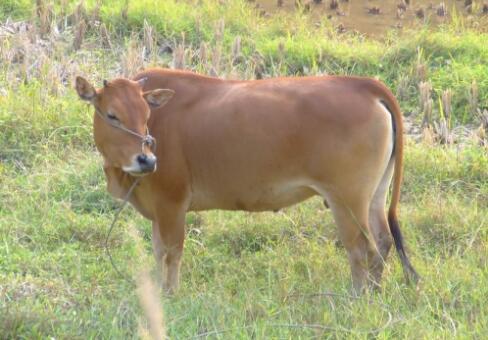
(168,239)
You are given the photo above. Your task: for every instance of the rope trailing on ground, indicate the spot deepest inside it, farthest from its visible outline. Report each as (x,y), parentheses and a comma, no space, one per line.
(112,225)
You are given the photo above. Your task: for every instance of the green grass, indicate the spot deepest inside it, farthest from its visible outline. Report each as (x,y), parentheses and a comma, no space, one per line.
(251,274)
(268,275)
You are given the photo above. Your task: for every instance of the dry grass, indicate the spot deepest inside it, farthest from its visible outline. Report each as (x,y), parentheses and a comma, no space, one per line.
(473,98)
(179,57)
(421,72)
(149,39)
(203,55)
(105,35)
(80,31)
(45,15)
(147,291)
(133,58)
(446,108)
(426,103)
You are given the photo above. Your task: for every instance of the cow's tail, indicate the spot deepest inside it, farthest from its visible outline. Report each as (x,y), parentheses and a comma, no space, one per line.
(392,105)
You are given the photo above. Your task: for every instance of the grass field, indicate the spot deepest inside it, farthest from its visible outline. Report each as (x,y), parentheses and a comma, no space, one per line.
(268,275)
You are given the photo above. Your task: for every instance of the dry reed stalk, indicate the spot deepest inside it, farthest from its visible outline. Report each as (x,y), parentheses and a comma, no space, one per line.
(427,113)
(446,100)
(481,133)
(233,74)
(65,70)
(443,132)
(480,136)
(202,54)
(105,35)
(402,88)
(80,31)
(32,34)
(424,92)
(258,66)
(45,16)
(19,52)
(216,56)
(236,47)
(426,102)
(133,59)
(26,47)
(473,96)
(125,10)
(198,27)
(219,30)
(403,5)
(95,14)
(483,118)
(282,52)
(6,53)
(55,33)
(442,9)
(237,57)
(421,72)
(51,74)
(399,13)
(179,57)
(79,13)
(64,7)
(428,136)
(443,128)
(281,49)
(16,53)
(149,40)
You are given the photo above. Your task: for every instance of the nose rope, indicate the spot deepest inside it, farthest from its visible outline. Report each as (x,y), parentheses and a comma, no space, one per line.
(112,225)
(148,140)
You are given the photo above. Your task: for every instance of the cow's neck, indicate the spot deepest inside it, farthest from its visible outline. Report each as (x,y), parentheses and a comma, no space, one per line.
(118,182)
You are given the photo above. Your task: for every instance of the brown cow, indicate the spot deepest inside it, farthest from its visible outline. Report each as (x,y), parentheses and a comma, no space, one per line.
(254,146)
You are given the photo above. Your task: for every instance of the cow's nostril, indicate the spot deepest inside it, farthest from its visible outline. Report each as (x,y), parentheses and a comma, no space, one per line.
(146,162)
(142,159)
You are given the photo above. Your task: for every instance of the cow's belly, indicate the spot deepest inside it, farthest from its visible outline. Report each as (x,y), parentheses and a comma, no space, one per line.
(262,198)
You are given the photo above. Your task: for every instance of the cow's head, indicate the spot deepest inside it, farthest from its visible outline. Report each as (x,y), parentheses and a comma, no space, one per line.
(120,130)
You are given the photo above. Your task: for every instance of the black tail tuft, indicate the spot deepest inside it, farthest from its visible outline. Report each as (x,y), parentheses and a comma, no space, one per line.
(408,270)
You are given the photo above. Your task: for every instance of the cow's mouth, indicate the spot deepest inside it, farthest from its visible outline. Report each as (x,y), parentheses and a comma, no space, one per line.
(138,174)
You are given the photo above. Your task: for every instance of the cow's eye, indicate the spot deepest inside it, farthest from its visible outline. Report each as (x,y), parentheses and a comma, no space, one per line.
(112,116)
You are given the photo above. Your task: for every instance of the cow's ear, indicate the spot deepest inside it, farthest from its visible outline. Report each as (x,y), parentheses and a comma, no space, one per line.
(85,90)
(159,97)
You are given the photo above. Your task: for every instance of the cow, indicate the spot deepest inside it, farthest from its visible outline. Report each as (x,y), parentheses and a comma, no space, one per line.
(257,145)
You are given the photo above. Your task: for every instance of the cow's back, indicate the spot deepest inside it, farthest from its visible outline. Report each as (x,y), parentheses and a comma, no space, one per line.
(260,145)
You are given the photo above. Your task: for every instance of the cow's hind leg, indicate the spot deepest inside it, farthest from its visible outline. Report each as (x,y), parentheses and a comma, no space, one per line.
(352,221)
(158,250)
(378,223)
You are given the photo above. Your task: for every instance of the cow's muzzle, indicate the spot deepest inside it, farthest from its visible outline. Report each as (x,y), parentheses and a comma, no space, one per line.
(142,164)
